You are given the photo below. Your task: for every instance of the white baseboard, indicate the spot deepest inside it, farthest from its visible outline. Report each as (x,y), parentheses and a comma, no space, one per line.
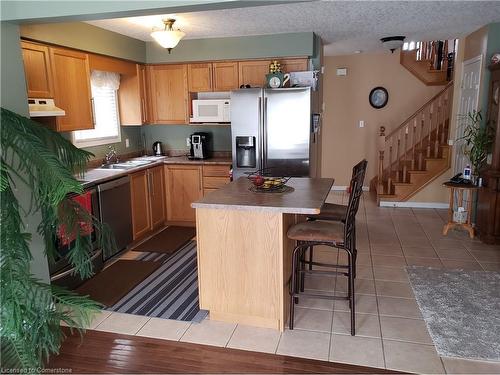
(414,204)
(344,188)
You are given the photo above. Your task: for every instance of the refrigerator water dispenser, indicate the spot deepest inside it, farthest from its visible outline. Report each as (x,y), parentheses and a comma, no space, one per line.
(245,152)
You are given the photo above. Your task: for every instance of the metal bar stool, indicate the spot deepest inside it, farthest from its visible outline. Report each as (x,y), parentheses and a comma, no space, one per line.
(334,234)
(337,212)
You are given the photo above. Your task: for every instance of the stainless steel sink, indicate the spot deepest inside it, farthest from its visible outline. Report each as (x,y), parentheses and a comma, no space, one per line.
(126,164)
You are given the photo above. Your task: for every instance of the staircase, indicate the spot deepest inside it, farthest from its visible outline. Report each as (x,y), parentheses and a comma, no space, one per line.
(431,62)
(416,152)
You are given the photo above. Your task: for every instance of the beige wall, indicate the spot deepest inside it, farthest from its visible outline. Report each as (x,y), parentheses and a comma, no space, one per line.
(346,102)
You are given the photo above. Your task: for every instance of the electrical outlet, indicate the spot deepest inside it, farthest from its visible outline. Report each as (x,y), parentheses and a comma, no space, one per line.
(361,124)
(127,143)
(450,142)
(188,142)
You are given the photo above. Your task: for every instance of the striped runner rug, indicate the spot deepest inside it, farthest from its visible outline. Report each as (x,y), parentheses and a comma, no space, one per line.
(171,292)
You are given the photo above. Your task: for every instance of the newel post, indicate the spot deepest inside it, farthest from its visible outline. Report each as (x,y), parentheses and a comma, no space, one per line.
(381,148)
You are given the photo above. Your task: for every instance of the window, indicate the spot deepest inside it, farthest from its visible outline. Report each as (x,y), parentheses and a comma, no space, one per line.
(105,106)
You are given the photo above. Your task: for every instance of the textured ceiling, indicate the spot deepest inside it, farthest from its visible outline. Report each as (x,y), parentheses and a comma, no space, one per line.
(344,26)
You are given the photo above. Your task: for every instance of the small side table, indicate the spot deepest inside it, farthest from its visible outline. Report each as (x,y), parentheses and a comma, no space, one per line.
(459,189)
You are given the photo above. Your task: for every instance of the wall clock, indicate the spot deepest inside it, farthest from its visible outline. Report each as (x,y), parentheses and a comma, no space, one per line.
(378,97)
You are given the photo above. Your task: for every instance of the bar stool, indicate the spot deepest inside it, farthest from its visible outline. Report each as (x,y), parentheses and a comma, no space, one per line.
(337,212)
(334,234)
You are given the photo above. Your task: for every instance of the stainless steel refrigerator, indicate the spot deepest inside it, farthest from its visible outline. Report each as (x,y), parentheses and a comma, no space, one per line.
(273,129)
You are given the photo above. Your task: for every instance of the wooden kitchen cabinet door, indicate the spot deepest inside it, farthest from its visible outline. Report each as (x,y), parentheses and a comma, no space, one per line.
(200,77)
(139,191)
(293,65)
(157,196)
(72,93)
(37,69)
(225,76)
(253,73)
(132,96)
(184,186)
(169,94)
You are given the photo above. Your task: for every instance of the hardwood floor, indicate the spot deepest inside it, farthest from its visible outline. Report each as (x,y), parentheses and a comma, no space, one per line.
(103,352)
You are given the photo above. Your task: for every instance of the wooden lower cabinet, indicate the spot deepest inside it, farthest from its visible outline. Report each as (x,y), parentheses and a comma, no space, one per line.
(157,197)
(183,186)
(147,190)
(141,217)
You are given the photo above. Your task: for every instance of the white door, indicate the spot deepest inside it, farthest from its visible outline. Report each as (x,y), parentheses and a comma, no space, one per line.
(469,98)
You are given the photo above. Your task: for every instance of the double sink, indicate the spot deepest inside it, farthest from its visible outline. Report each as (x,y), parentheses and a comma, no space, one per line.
(134,163)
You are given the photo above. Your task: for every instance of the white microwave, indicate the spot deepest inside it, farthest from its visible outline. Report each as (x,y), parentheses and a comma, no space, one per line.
(211,110)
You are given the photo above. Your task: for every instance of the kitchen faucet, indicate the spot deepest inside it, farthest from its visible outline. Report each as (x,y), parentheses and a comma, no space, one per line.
(111,156)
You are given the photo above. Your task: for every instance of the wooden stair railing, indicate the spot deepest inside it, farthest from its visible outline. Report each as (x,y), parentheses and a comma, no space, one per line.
(430,61)
(412,154)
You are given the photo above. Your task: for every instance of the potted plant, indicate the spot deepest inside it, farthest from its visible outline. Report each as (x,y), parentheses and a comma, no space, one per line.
(40,164)
(478,139)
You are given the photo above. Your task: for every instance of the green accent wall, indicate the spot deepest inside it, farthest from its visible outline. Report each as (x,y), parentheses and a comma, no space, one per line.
(57,11)
(13,97)
(244,47)
(492,47)
(87,37)
(174,136)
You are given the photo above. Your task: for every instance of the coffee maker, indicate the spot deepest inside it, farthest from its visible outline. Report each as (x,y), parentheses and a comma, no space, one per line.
(201,145)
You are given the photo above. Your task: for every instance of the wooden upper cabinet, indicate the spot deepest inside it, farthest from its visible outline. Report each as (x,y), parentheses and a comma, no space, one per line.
(253,73)
(37,69)
(294,65)
(200,77)
(169,94)
(225,76)
(71,74)
(132,96)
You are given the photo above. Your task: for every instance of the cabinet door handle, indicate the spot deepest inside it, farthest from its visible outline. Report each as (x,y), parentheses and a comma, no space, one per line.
(143,111)
(92,110)
(152,183)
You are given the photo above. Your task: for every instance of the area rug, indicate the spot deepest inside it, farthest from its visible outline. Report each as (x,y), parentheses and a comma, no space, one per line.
(115,281)
(171,292)
(461,310)
(168,240)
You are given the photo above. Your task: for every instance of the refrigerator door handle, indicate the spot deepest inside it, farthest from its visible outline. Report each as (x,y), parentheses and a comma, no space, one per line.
(264,135)
(259,136)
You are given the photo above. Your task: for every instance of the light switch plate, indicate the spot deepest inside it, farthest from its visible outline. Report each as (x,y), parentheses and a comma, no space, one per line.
(127,143)
(361,124)
(450,142)
(341,71)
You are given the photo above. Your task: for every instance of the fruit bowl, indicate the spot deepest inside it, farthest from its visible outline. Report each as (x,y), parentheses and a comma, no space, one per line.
(263,183)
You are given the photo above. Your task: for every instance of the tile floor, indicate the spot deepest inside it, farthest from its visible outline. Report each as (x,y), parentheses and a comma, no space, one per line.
(390,330)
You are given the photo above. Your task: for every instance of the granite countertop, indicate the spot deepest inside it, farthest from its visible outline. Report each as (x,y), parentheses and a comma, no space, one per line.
(307,198)
(97,175)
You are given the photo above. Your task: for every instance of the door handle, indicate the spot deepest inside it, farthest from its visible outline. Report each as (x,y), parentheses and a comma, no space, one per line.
(92,110)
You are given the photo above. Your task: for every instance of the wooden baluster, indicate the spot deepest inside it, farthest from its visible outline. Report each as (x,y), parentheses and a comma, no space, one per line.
(446,117)
(405,152)
(444,64)
(438,128)
(429,134)
(422,132)
(381,149)
(398,158)
(414,143)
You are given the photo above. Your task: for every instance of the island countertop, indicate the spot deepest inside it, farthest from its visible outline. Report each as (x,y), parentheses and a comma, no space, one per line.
(308,196)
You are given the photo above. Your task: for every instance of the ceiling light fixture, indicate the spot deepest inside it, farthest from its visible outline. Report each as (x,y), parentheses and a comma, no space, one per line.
(393,42)
(169,37)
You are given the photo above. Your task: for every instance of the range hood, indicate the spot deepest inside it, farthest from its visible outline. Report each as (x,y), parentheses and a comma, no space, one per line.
(44,108)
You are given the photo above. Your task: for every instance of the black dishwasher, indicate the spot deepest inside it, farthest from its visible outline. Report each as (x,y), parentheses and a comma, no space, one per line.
(115,210)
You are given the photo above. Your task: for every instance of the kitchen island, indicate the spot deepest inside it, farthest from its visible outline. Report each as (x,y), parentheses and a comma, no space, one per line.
(244,255)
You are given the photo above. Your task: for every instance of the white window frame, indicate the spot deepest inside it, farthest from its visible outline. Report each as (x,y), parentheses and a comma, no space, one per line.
(101,140)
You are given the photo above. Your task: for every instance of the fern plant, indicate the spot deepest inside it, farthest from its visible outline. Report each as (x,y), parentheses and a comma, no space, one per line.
(31,311)
(478,140)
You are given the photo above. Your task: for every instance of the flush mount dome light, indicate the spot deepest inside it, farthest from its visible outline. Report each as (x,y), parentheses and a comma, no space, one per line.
(393,42)
(169,37)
